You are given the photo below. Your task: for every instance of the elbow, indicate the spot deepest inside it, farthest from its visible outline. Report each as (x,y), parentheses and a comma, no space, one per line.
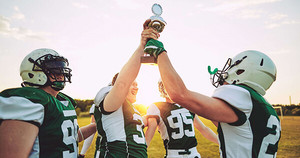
(121,85)
(178,96)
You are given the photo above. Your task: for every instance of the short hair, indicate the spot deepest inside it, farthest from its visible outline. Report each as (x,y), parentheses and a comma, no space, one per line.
(114,79)
(162,89)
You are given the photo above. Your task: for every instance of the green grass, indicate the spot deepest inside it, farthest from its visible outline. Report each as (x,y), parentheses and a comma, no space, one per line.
(289,145)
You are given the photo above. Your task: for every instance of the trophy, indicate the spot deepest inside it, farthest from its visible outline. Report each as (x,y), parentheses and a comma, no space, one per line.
(157,23)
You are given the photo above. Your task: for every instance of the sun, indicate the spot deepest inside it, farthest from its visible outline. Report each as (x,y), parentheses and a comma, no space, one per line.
(147,82)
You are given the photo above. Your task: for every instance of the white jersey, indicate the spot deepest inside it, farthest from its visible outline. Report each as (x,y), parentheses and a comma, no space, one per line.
(121,130)
(257,131)
(92,109)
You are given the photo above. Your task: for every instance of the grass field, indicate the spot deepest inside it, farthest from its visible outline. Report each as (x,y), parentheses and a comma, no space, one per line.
(289,145)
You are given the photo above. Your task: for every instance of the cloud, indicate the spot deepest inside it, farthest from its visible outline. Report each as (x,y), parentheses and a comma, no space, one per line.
(278,20)
(250,14)
(19,32)
(275,24)
(18,15)
(80,5)
(277,16)
(233,5)
(129,4)
(245,9)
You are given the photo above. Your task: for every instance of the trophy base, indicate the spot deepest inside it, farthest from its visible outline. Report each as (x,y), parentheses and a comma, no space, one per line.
(148,60)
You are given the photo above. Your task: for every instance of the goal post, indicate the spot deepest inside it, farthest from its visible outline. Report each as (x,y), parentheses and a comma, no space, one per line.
(280,109)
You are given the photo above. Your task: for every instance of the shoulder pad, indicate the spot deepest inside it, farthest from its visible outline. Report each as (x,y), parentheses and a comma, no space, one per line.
(101,95)
(35,95)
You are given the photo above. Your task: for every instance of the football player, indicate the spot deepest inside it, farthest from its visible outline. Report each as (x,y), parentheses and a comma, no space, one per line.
(38,120)
(176,127)
(118,122)
(248,125)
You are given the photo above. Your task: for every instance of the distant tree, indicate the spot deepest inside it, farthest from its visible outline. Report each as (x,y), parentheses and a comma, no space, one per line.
(296,112)
(83,104)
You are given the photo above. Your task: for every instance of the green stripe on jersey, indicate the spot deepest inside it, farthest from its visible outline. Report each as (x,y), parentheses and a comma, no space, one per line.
(129,139)
(265,124)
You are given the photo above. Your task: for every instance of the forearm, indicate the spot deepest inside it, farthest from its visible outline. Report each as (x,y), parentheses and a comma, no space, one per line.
(86,131)
(171,80)
(149,135)
(210,135)
(131,69)
(127,75)
(205,131)
(87,143)
(150,130)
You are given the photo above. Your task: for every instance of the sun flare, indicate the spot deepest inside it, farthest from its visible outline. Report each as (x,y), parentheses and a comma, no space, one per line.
(147,83)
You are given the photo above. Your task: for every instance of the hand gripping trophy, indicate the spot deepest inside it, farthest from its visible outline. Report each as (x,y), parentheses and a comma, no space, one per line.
(158,24)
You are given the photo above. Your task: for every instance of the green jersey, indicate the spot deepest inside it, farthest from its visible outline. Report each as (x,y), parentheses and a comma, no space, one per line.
(257,131)
(55,117)
(121,130)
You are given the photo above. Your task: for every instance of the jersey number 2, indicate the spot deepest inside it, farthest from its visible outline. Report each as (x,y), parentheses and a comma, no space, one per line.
(269,141)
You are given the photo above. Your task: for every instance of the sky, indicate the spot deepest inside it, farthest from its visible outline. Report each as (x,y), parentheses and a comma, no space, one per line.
(99,36)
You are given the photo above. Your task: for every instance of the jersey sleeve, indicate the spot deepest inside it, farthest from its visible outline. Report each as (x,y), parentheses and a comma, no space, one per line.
(238,97)
(92,109)
(101,95)
(99,99)
(20,108)
(153,112)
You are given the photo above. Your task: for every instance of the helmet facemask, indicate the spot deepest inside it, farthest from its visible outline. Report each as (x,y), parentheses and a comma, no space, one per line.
(218,78)
(53,66)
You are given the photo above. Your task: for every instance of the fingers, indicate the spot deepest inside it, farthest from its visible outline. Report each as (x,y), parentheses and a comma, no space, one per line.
(146,24)
(150,33)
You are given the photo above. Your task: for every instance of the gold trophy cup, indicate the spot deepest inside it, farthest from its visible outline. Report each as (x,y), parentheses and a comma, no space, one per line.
(157,23)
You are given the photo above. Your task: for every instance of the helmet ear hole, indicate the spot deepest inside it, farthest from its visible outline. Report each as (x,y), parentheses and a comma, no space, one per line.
(262,62)
(240,71)
(30,75)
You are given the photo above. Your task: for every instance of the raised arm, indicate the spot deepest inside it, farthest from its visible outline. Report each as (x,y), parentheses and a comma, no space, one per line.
(128,73)
(208,107)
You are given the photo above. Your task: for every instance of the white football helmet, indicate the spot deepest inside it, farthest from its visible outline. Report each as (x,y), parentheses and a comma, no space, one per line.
(251,68)
(41,64)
